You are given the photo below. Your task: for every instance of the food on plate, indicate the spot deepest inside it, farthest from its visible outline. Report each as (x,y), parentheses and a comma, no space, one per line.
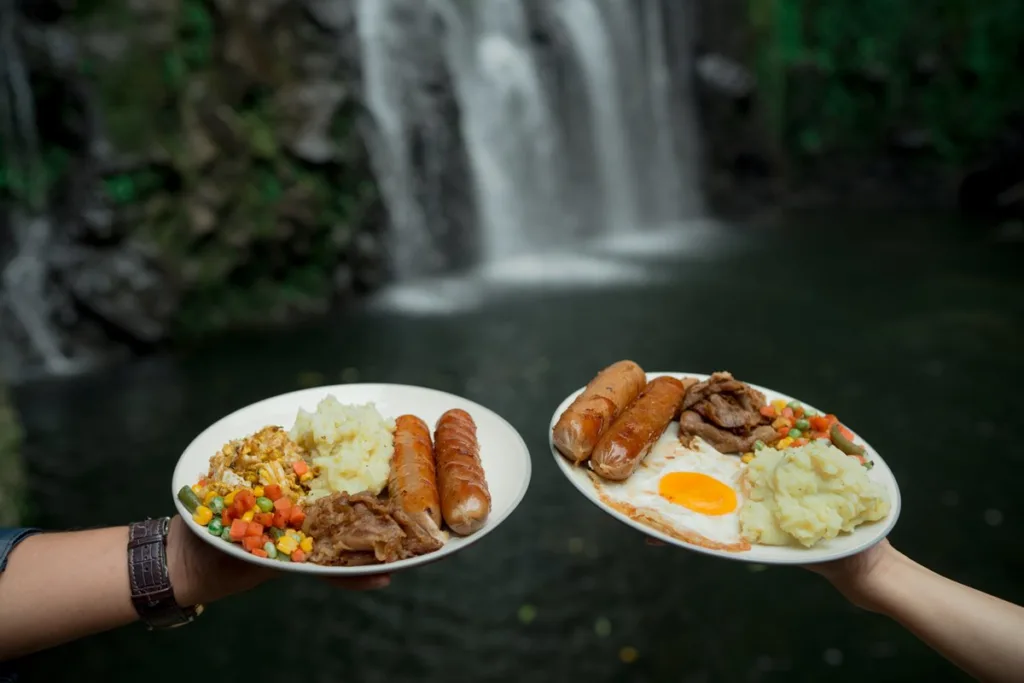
(624,444)
(345,486)
(806,494)
(801,478)
(465,498)
(350,445)
(581,425)
(412,485)
(727,414)
(689,493)
(361,529)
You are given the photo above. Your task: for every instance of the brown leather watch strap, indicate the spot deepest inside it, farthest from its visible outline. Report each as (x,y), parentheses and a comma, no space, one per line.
(152,593)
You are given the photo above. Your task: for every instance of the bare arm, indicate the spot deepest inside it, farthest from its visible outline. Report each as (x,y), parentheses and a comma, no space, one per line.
(981,634)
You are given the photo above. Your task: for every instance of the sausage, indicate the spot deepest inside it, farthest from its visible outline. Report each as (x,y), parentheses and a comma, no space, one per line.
(624,446)
(465,500)
(581,425)
(412,482)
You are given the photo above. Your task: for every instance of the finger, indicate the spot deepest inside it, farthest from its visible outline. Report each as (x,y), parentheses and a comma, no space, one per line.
(362,583)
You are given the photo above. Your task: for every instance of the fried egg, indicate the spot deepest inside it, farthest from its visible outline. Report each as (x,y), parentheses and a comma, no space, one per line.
(690,493)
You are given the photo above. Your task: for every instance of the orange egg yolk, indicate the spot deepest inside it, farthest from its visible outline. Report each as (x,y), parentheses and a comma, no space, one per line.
(698,492)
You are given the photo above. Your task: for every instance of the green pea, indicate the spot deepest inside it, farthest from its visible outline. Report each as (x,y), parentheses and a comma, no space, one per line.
(810,412)
(795,433)
(759,445)
(271,550)
(217,505)
(276,533)
(794,404)
(282,557)
(802,424)
(226,534)
(264,503)
(215,527)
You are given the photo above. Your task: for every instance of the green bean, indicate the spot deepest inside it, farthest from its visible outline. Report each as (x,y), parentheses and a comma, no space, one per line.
(215,527)
(842,443)
(189,498)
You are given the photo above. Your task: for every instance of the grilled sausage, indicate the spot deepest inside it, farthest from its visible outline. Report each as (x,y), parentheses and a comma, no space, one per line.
(412,482)
(580,427)
(465,500)
(624,446)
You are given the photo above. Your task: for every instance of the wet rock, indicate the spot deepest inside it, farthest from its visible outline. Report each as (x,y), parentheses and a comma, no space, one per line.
(725,75)
(12,473)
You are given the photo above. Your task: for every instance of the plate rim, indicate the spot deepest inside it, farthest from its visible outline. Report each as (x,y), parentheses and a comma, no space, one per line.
(566,468)
(363,570)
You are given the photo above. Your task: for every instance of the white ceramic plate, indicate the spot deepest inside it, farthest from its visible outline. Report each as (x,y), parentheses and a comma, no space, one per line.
(505,459)
(862,538)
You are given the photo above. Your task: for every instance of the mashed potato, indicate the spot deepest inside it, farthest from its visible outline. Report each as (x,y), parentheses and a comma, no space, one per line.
(807,494)
(350,445)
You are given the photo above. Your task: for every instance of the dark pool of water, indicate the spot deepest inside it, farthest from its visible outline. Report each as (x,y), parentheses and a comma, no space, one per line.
(908,329)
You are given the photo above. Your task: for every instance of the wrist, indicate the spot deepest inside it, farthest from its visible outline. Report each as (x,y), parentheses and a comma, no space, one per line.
(179,569)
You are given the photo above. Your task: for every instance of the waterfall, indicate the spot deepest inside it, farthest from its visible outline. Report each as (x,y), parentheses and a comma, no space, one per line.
(23,278)
(545,167)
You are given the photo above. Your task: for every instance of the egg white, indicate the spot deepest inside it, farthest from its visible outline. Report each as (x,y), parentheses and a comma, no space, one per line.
(639,493)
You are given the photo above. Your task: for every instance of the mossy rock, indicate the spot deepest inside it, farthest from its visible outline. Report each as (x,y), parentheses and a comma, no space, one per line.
(12,474)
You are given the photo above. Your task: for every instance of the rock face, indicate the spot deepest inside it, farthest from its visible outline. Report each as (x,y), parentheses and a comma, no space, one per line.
(12,476)
(178,168)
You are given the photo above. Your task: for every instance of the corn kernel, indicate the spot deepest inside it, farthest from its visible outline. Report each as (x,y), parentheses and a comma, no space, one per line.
(747,457)
(202,515)
(230,498)
(779,404)
(197,489)
(307,545)
(265,475)
(258,491)
(287,545)
(784,443)
(248,515)
(308,476)
(210,495)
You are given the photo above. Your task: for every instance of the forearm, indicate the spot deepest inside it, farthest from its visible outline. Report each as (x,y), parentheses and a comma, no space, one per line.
(981,634)
(58,587)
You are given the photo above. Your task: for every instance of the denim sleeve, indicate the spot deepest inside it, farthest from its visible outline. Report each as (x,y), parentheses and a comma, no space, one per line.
(9,538)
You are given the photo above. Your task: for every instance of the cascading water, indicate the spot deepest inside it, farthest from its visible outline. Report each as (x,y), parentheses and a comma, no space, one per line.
(544,166)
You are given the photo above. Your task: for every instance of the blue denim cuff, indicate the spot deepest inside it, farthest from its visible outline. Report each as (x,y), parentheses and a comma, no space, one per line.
(9,538)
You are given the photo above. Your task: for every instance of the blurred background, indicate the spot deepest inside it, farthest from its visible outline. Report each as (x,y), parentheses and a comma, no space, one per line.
(207,202)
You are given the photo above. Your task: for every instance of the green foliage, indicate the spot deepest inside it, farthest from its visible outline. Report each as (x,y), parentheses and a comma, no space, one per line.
(839,75)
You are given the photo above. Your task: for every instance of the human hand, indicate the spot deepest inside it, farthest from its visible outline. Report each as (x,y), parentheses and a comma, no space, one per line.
(859,577)
(202,574)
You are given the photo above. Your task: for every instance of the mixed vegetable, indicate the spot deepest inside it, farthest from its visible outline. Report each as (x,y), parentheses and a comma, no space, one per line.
(798,425)
(263,520)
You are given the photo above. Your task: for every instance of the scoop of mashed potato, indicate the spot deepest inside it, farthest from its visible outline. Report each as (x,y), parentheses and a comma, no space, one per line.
(351,447)
(806,495)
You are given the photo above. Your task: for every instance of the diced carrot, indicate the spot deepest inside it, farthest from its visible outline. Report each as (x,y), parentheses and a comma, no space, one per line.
(832,419)
(300,467)
(768,411)
(787,412)
(238,529)
(298,555)
(227,517)
(820,424)
(799,442)
(254,529)
(846,432)
(282,503)
(246,499)
(297,517)
(264,518)
(798,412)
(783,432)
(281,518)
(251,543)
(272,491)
(265,539)
(259,552)
(819,435)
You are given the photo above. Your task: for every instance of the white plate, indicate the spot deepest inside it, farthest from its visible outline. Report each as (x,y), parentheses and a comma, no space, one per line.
(503,454)
(863,537)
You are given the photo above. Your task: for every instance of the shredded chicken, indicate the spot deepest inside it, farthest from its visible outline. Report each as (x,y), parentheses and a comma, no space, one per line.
(359,529)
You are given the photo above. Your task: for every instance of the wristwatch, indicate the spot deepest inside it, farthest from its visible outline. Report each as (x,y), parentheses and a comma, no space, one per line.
(152,594)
